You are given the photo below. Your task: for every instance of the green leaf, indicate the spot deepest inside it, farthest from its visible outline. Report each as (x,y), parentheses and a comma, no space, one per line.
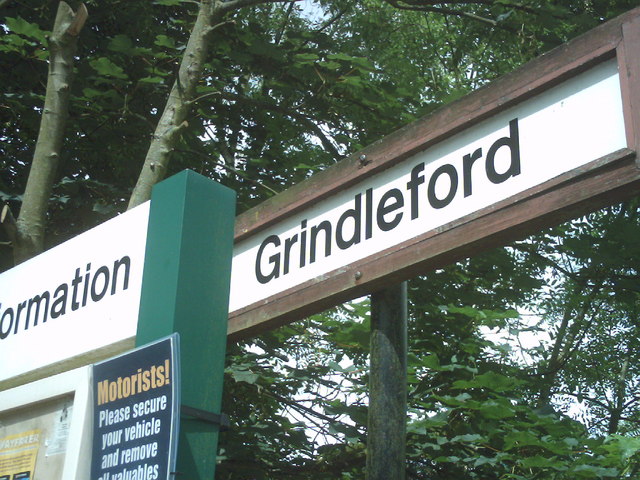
(340,56)
(467,438)
(539,461)
(121,43)
(245,376)
(482,460)
(303,166)
(152,80)
(352,80)
(14,43)
(306,57)
(495,410)
(626,447)
(168,3)
(330,65)
(104,208)
(519,439)
(164,41)
(107,68)
(592,471)
(490,380)
(22,27)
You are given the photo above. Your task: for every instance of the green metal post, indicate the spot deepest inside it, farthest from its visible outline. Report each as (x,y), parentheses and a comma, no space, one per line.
(185,289)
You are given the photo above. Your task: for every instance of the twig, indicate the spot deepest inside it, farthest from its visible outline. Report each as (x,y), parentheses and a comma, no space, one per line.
(237,4)
(9,224)
(237,172)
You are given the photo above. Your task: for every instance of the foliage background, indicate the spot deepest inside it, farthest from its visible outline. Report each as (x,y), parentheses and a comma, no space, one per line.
(523,361)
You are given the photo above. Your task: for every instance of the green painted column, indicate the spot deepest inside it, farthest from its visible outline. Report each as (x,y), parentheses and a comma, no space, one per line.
(185,289)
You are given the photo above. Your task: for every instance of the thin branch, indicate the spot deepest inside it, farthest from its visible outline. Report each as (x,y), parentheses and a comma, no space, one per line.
(232,5)
(231,169)
(489,3)
(584,397)
(202,97)
(332,20)
(8,222)
(530,249)
(445,11)
(78,21)
(280,33)
(297,406)
(326,142)
(219,25)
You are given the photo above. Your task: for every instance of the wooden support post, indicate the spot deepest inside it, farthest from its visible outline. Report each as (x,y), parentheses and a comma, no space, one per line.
(388,385)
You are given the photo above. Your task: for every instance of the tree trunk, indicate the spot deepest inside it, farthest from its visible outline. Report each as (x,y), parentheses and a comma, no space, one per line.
(565,342)
(28,232)
(620,393)
(174,116)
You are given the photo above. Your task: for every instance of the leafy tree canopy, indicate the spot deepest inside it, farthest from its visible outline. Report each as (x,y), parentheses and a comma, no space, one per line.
(288,89)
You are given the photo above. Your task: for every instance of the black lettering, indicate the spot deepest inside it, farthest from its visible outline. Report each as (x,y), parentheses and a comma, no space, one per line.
(467,163)
(96,295)
(368,216)
(59,306)
(288,243)
(39,308)
(8,313)
(21,307)
(354,213)
(74,283)
(513,142)
(303,243)
(273,259)
(449,170)
(324,226)
(85,290)
(36,301)
(126,262)
(412,186)
(391,201)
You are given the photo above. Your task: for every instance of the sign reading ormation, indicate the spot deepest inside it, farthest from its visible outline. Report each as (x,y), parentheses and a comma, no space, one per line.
(136,413)
(83,294)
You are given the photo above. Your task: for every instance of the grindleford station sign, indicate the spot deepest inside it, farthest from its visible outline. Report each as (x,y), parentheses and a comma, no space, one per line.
(554,139)
(513,151)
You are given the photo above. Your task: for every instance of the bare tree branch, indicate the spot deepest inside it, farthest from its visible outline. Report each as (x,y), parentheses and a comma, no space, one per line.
(445,11)
(324,139)
(232,5)
(233,170)
(8,223)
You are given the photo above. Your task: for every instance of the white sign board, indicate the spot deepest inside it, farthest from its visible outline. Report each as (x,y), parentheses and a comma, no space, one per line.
(565,127)
(84,294)
(75,298)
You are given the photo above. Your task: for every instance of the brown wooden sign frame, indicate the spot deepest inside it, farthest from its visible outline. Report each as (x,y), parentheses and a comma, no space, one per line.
(609,179)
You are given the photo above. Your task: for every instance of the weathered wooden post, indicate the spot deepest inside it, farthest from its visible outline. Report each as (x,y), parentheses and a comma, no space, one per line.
(388,384)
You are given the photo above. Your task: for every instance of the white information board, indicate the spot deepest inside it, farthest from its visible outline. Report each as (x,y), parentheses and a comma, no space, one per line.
(77,297)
